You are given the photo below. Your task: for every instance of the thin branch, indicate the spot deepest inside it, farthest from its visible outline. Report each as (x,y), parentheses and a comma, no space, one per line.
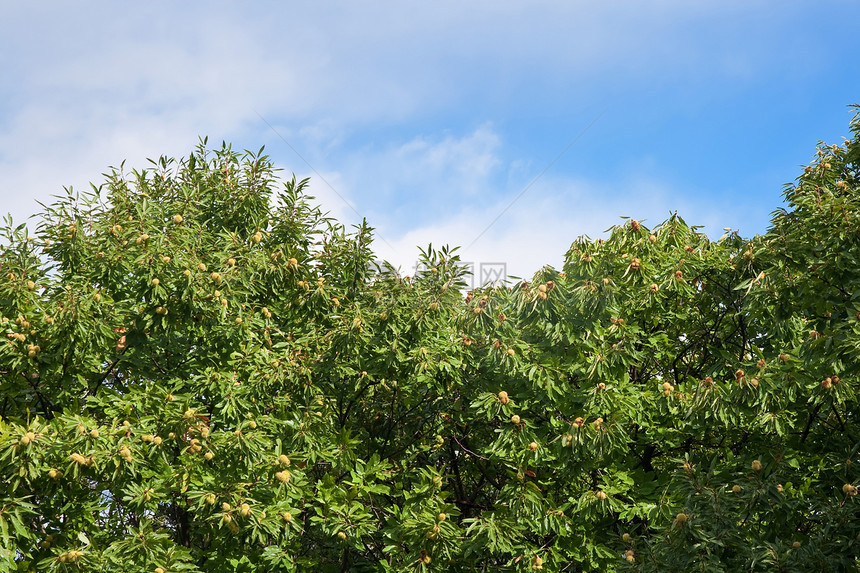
(467,450)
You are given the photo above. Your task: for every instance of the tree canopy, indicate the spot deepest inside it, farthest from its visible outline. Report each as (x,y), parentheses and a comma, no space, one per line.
(202,372)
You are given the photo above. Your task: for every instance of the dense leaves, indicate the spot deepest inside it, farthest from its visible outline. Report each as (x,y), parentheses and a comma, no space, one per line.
(201,372)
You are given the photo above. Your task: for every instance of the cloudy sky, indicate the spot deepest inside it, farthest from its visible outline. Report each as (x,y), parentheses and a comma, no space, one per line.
(508,128)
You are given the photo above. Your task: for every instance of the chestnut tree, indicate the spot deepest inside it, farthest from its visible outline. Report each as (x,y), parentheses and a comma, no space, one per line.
(202,372)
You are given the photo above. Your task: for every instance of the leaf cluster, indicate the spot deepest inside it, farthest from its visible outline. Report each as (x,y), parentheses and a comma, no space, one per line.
(202,372)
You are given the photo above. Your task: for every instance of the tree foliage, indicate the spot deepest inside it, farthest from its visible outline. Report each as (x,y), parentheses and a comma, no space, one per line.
(201,372)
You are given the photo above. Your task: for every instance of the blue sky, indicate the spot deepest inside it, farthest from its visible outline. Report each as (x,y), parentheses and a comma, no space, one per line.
(429,119)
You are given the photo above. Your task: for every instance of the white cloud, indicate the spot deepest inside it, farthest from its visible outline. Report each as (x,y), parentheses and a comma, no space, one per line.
(89,88)
(451,190)
(97,88)
(426,177)
(539,228)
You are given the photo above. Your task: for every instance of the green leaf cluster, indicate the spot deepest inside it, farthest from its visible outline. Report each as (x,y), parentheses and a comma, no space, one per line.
(200,371)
